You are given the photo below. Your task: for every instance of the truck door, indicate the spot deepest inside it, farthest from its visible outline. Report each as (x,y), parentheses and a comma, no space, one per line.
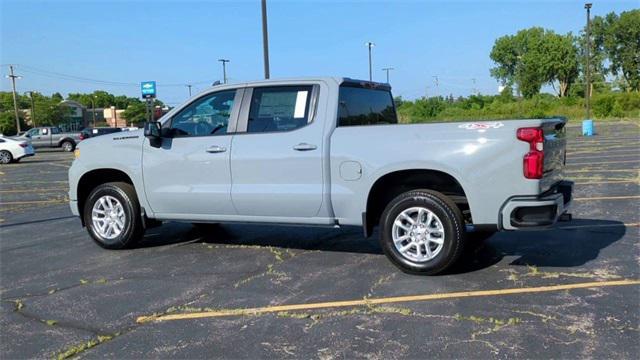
(276,155)
(41,137)
(188,175)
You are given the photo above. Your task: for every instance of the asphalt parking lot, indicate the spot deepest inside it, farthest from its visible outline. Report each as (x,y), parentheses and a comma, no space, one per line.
(562,293)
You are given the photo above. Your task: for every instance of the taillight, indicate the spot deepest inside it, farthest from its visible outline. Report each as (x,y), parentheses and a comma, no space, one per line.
(24,145)
(533,162)
(81,136)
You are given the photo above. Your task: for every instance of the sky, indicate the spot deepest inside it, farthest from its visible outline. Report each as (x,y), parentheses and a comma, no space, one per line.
(82,46)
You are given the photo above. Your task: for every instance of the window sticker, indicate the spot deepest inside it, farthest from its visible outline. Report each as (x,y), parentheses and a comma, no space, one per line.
(301,104)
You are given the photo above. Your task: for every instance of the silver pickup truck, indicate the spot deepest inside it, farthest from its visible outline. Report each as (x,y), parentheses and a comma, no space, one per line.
(324,152)
(51,137)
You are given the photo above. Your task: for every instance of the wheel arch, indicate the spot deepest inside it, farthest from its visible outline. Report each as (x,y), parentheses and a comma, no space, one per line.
(89,180)
(392,184)
(69,139)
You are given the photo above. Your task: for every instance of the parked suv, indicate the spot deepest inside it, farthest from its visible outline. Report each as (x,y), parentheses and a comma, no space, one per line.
(324,152)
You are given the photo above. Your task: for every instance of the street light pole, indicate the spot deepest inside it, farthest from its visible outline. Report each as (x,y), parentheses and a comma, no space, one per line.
(435,79)
(387,70)
(587,91)
(189,86)
(13,78)
(370,45)
(224,69)
(265,39)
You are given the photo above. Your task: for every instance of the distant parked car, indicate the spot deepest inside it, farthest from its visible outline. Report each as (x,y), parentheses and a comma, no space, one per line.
(92,132)
(51,137)
(13,150)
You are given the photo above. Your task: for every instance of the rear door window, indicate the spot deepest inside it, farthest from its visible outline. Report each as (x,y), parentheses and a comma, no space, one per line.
(363,106)
(279,108)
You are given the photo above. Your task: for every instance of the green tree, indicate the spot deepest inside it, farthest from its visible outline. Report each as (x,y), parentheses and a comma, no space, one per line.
(534,57)
(562,62)
(135,113)
(619,38)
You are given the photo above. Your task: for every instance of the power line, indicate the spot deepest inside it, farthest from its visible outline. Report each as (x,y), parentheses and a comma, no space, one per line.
(56,75)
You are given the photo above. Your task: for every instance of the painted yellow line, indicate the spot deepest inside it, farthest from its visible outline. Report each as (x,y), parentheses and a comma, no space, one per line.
(603,162)
(385,300)
(607,198)
(60,165)
(601,170)
(599,226)
(607,182)
(569,157)
(33,202)
(33,190)
(607,142)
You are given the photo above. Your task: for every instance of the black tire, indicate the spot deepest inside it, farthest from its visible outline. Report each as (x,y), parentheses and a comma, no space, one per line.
(452,224)
(68,146)
(132,230)
(5,157)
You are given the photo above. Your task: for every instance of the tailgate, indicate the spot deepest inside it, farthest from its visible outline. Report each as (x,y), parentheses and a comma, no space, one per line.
(555,143)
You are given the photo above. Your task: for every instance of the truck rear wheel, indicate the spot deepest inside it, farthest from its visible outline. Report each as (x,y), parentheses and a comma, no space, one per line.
(68,146)
(422,232)
(112,215)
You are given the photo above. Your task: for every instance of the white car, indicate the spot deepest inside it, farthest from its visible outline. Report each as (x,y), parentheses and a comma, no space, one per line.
(13,150)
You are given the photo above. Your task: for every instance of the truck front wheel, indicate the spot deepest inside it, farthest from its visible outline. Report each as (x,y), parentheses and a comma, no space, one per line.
(422,232)
(112,215)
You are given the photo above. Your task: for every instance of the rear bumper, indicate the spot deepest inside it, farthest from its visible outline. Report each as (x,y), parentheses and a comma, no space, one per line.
(25,155)
(530,212)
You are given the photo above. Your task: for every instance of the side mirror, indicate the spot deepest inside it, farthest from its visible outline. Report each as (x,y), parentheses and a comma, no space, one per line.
(152,132)
(152,129)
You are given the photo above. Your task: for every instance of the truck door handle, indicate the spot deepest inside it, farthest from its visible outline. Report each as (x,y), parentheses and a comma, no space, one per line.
(216,149)
(304,147)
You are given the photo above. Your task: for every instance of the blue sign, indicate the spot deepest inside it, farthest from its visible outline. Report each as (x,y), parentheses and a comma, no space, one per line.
(148,89)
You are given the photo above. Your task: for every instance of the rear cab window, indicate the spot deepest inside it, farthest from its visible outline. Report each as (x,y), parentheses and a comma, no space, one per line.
(359,106)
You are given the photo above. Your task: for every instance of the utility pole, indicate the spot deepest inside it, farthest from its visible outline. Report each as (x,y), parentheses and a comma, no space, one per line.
(93,110)
(33,109)
(587,90)
(387,70)
(13,78)
(265,39)
(224,69)
(189,86)
(370,45)
(437,85)
(474,90)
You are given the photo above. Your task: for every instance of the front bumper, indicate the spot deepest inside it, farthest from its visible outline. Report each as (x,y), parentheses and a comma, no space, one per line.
(529,212)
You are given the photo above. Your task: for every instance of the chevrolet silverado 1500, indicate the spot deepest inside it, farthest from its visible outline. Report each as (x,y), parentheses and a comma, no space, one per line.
(328,152)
